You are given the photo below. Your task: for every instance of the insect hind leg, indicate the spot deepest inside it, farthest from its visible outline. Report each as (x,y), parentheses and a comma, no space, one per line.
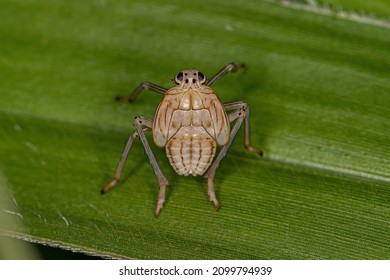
(211,192)
(213,168)
(142,125)
(240,115)
(162,180)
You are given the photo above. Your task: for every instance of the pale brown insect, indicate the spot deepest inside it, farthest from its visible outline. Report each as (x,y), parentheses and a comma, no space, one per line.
(190,123)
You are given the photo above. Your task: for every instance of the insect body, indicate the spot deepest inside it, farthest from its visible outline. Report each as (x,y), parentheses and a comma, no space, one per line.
(190,123)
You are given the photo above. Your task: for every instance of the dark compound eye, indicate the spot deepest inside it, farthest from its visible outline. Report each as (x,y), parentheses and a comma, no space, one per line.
(201,77)
(179,78)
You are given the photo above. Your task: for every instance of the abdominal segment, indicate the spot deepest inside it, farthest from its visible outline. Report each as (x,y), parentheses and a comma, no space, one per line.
(191,150)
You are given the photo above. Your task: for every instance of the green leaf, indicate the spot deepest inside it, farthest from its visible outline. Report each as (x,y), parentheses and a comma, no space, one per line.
(318,88)
(377,8)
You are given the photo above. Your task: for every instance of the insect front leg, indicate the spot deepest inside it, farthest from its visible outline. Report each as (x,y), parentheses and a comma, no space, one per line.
(138,89)
(230,67)
(240,115)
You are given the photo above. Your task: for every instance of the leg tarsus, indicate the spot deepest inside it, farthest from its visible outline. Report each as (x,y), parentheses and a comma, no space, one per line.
(123,99)
(160,200)
(211,192)
(238,67)
(254,150)
(110,185)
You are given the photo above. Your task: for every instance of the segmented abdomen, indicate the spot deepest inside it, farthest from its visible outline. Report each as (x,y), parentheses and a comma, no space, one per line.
(191,150)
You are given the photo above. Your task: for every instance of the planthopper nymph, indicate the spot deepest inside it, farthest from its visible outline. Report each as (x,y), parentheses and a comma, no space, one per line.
(190,122)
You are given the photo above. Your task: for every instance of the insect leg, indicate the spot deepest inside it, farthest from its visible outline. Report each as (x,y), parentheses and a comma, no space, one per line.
(162,180)
(138,89)
(240,114)
(241,110)
(231,67)
(211,171)
(122,161)
(118,173)
(142,125)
